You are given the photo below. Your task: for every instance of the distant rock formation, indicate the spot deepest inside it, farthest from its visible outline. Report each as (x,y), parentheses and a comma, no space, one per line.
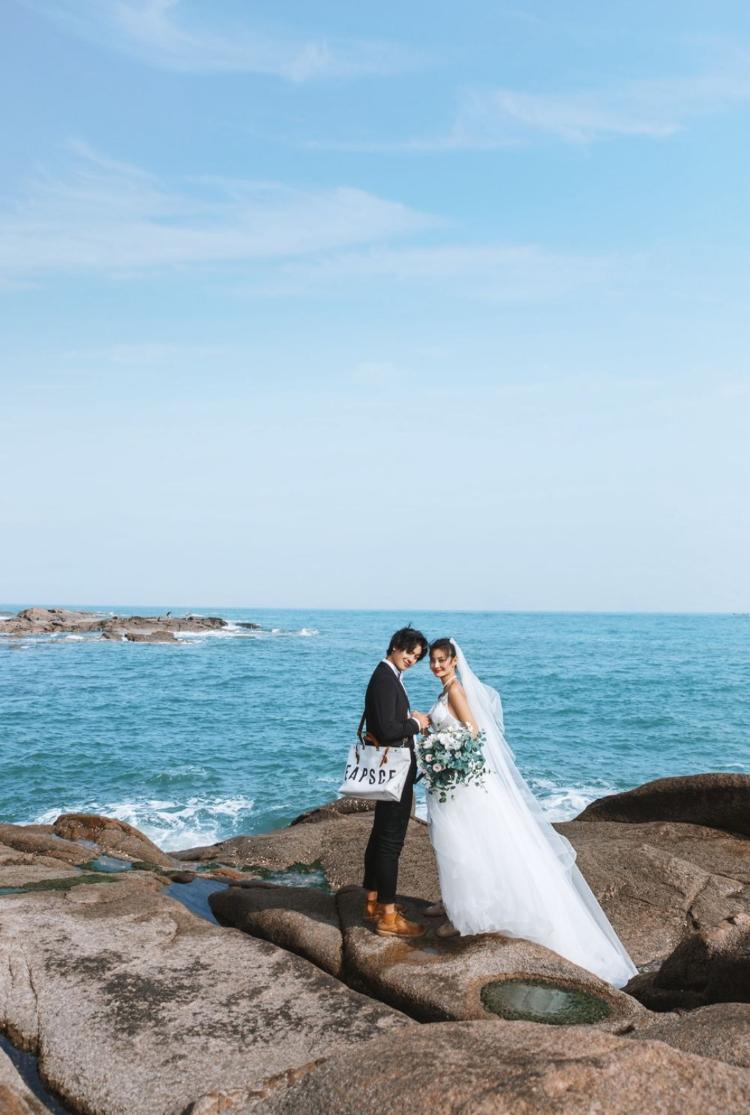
(133,629)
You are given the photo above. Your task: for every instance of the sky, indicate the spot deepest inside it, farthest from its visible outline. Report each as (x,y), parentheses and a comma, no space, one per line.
(415,305)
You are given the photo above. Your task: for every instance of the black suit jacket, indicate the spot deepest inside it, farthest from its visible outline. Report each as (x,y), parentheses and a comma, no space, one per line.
(387,708)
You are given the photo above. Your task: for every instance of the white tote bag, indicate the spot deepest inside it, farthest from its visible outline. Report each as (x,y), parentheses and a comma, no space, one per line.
(373,772)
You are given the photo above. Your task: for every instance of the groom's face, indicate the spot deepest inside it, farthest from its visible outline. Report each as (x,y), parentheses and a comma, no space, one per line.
(405,659)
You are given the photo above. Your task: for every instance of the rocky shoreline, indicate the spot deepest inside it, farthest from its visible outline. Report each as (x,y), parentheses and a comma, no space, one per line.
(133,629)
(132,1002)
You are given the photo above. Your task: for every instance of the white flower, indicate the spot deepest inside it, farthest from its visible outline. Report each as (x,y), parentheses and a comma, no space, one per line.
(437,767)
(428,758)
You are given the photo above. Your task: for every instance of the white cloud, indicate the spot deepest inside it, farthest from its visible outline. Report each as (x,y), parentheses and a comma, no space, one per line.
(495,272)
(489,119)
(166,34)
(112,218)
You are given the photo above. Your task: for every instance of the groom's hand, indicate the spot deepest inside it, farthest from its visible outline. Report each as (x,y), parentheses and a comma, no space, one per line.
(422,720)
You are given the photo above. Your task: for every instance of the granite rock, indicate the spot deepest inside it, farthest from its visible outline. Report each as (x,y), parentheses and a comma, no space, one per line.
(720,1031)
(118,838)
(436,980)
(303,920)
(659,882)
(719,801)
(124,994)
(513,1068)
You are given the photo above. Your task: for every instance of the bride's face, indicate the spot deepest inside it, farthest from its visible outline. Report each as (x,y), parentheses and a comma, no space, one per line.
(442,664)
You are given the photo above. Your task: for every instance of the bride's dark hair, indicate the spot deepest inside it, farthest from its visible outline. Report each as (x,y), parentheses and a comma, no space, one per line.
(443,644)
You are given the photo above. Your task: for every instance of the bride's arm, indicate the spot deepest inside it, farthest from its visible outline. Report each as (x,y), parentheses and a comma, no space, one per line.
(459,706)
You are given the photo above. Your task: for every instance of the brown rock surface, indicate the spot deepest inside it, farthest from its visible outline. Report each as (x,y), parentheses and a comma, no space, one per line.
(15,1097)
(490,1068)
(719,801)
(126,995)
(116,837)
(19,868)
(436,980)
(658,882)
(721,1031)
(301,919)
(430,979)
(337,842)
(40,841)
(710,966)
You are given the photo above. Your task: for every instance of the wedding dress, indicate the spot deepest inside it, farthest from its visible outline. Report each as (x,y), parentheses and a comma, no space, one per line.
(503,868)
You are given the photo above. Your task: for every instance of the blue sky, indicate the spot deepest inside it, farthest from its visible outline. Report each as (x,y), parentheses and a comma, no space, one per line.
(416,306)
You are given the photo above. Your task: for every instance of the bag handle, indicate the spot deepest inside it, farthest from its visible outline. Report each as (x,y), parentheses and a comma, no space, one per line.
(369,738)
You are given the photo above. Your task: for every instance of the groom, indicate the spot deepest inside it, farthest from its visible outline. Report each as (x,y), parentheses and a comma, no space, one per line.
(390,722)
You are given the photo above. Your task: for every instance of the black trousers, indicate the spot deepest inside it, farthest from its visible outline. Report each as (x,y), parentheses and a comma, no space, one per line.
(387,840)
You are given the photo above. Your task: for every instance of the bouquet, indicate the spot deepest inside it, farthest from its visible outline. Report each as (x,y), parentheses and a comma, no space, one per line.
(451,758)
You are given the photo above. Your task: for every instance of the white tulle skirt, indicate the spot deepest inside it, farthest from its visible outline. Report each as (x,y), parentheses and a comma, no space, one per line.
(500,874)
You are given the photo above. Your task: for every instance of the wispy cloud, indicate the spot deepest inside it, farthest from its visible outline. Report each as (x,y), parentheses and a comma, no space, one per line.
(175,35)
(494,272)
(111,217)
(489,119)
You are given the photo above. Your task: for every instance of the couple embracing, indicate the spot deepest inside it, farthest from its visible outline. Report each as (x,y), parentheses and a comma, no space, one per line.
(503,868)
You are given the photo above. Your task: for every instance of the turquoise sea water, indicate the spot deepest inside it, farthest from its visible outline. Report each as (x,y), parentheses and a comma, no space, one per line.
(239,732)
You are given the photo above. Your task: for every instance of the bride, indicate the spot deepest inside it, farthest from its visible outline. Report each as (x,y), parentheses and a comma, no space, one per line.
(503,868)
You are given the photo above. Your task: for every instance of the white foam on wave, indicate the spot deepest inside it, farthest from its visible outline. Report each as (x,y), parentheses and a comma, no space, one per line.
(563,803)
(559,803)
(171,824)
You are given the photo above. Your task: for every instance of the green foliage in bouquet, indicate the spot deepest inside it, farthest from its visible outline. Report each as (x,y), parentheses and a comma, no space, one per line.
(451,758)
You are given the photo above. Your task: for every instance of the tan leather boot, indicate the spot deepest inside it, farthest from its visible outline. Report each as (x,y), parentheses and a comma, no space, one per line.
(373,909)
(394,925)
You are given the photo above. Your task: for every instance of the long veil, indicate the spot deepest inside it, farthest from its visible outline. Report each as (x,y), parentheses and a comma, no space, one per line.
(487,708)
(522,876)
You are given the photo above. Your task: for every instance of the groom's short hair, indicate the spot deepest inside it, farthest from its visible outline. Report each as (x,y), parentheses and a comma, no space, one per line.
(407,638)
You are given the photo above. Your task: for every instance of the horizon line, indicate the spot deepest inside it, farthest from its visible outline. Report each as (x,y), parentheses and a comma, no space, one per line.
(420,610)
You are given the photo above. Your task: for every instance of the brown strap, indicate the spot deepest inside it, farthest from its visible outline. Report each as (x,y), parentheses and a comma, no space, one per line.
(368,737)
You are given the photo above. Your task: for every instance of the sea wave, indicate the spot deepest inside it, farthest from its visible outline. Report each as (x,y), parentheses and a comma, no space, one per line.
(171,824)
(563,803)
(236,631)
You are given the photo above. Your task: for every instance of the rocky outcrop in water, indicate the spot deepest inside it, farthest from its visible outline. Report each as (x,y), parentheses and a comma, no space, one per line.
(110,835)
(135,629)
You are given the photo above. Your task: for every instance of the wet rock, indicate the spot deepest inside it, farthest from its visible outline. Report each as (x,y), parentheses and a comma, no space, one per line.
(40,841)
(719,801)
(113,836)
(337,842)
(158,635)
(15,1097)
(19,868)
(721,1031)
(511,1069)
(301,919)
(435,979)
(124,995)
(659,882)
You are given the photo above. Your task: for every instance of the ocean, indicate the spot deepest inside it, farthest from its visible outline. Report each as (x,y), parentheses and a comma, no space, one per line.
(239,731)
